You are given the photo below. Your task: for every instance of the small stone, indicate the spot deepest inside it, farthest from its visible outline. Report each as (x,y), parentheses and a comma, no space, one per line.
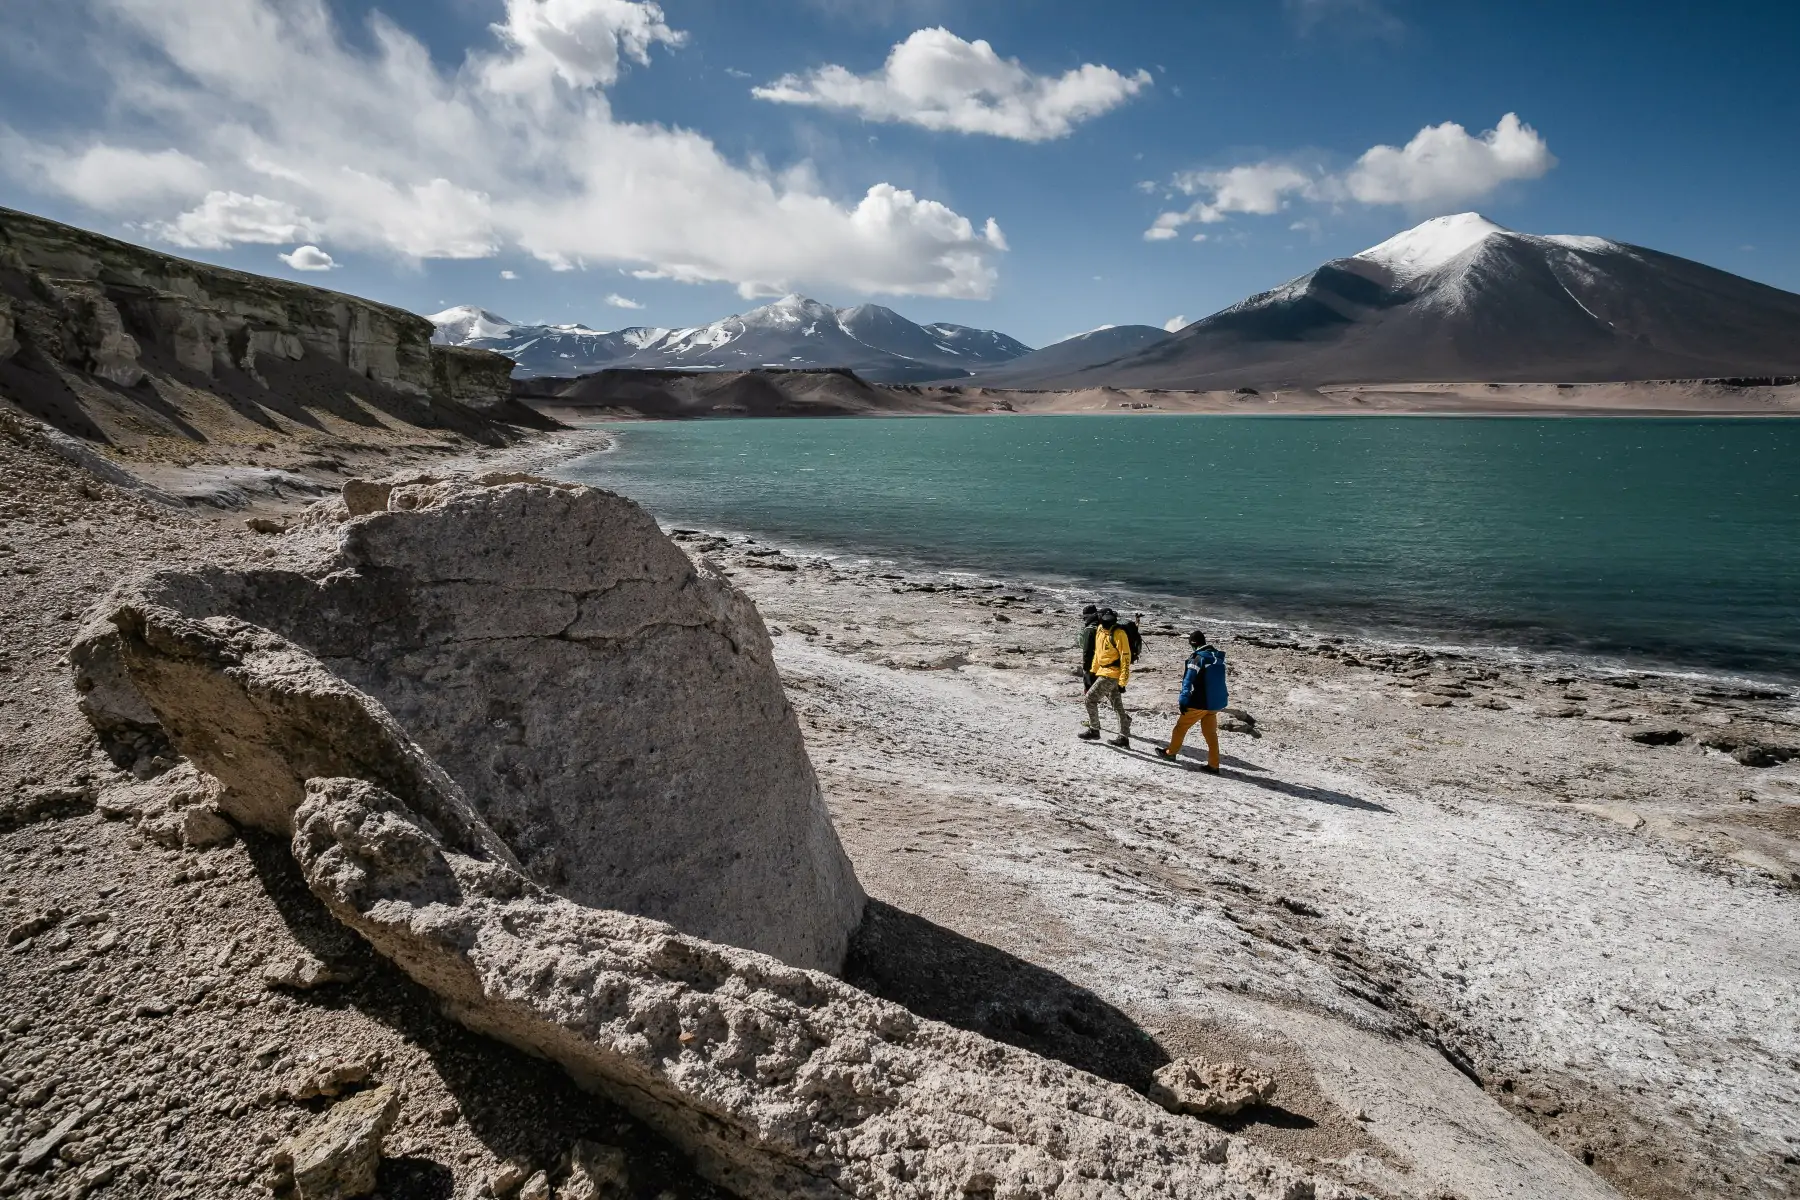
(535,1188)
(507,1180)
(154,1006)
(38,1152)
(303,973)
(202,829)
(596,1172)
(1204,1089)
(333,1077)
(265,525)
(1657,737)
(32,926)
(337,1157)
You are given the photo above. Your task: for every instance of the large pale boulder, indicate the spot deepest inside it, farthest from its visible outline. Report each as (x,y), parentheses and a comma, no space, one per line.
(782,1083)
(611,712)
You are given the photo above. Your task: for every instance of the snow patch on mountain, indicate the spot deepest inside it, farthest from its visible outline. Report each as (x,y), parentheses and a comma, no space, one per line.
(1433,244)
(465,323)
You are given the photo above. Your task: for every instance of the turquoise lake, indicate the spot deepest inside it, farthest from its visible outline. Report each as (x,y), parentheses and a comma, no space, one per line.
(1670,542)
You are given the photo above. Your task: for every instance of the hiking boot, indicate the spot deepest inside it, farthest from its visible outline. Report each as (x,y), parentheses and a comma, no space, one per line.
(1121,740)
(1165,755)
(1089,735)
(1210,770)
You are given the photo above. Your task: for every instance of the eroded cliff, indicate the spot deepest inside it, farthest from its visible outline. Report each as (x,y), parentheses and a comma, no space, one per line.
(116,342)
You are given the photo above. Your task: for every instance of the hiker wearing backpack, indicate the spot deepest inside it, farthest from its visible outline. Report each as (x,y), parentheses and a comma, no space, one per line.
(1111,668)
(1090,625)
(1202,696)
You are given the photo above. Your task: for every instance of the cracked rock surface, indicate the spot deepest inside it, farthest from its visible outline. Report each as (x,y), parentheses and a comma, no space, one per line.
(610,711)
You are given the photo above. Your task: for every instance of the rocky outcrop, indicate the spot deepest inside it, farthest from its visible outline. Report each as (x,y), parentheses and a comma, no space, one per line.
(205,318)
(781,1082)
(478,379)
(537,653)
(113,341)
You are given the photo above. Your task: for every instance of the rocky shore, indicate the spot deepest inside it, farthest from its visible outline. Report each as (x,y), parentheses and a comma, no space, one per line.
(1486,916)
(1448,924)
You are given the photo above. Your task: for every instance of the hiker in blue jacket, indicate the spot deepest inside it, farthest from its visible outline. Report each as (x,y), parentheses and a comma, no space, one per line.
(1202,696)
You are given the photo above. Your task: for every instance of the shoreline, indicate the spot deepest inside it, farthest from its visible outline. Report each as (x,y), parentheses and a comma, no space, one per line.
(1693,399)
(1167,608)
(1502,868)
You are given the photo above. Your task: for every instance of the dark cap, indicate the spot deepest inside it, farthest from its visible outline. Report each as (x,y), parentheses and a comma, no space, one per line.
(1108,617)
(1197,638)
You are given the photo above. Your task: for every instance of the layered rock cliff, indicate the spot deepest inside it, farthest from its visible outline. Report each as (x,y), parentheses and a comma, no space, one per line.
(114,341)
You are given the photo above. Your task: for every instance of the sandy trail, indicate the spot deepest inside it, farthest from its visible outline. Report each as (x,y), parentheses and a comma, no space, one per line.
(1486,948)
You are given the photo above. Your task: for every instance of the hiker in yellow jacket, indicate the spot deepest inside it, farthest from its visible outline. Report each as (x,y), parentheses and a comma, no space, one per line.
(1111,669)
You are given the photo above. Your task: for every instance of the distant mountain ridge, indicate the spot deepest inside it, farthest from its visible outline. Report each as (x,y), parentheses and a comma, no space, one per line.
(1460,298)
(1081,352)
(876,342)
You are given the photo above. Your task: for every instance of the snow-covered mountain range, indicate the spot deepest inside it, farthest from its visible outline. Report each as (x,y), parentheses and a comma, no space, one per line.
(877,343)
(1460,298)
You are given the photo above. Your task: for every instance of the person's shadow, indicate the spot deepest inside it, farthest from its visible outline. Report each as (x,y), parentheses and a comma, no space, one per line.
(1249,772)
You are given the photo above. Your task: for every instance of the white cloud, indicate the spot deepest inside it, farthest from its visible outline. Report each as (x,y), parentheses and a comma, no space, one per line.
(309,258)
(509,274)
(618,301)
(1174,323)
(1443,165)
(113,178)
(259,122)
(230,218)
(1440,168)
(936,80)
(578,42)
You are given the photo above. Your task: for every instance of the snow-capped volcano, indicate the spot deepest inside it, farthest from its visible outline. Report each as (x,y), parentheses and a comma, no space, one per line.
(1461,298)
(465,323)
(1424,248)
(794,331)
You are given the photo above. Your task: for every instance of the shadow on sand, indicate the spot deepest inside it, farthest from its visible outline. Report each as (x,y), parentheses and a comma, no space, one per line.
(1240,769)
(941,974)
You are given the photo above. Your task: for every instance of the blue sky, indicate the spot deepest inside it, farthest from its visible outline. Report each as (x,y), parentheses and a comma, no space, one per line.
(604,148)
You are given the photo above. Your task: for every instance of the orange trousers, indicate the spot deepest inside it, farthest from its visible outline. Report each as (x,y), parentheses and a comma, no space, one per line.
(1209,727)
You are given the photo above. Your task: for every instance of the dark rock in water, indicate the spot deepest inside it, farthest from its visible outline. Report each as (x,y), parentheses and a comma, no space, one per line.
(1657,737)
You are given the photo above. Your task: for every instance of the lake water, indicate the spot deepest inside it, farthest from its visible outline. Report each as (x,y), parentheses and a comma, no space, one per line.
(1663,541)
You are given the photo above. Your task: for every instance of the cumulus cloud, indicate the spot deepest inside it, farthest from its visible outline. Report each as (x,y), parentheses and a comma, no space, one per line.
(230,218)
(258,121)
(509,275)
(618,301)
(1442,166)
(581,43)
(1174,323)
(938,81)
(309,258)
